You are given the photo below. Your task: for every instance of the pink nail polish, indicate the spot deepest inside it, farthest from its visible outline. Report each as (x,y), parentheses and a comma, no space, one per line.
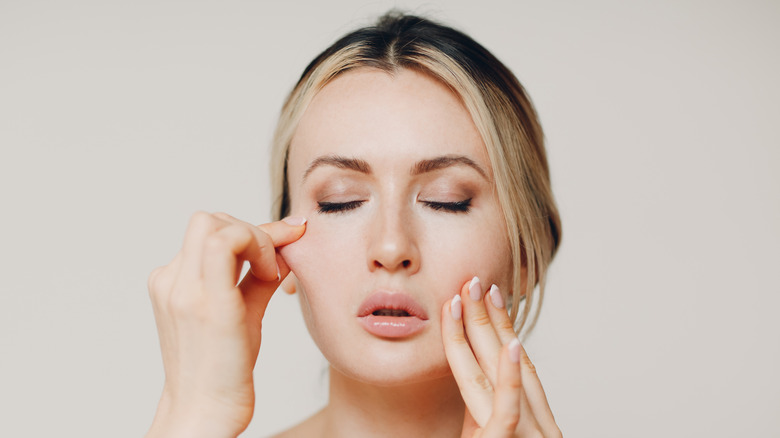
(295,221)
(475,289)
(495,297)
(455,308)
(514,350)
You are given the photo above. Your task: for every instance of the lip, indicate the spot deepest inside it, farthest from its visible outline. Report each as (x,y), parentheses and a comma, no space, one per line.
(392,326)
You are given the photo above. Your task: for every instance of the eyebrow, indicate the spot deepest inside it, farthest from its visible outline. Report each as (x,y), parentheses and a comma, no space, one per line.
(355,164)
(429,165)
(422,166)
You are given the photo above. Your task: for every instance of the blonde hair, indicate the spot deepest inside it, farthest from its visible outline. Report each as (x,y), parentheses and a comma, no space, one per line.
(502,113)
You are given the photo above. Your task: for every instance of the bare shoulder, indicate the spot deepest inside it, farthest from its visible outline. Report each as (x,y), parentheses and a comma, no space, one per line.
(310,427)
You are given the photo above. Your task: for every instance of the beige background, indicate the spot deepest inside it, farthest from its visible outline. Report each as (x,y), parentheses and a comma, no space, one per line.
(120,119)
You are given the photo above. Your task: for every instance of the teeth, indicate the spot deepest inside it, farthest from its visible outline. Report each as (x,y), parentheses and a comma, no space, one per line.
(391,312)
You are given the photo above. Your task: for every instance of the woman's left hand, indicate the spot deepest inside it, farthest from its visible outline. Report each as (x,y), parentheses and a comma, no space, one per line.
(503,395)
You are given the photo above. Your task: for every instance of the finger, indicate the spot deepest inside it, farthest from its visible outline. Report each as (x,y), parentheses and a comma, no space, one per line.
(224,250)
(258,286)
(161,280)
(280,233)
(470,427)
(285,231)
(473,384)
(201,224)
(494,302)
(257,293)
(289,285)
(479,329)
(536,396)
(508,394)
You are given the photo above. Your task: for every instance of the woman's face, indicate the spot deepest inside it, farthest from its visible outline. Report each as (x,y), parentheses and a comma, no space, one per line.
(396,185)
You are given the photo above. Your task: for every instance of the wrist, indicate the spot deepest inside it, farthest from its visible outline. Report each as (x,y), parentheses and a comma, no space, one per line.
(194,420)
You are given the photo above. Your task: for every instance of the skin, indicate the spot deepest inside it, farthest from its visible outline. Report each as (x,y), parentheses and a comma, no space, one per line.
(393,240)
(388,224)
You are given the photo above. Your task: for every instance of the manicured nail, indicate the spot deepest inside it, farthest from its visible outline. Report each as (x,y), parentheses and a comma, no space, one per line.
(495,296)
(475,289)
(514,350)
(295,221)
(455,308)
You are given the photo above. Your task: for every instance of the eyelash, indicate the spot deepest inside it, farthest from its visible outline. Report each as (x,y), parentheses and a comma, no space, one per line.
(338,207)
(453,207)
(341,207)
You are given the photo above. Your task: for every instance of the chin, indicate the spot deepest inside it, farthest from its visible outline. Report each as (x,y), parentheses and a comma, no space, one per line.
(391,363)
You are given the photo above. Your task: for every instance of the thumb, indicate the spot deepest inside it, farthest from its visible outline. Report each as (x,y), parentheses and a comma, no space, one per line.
(285,231)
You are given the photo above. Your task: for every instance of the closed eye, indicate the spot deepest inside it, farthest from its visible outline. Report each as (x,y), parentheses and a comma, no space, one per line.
(338,207)
(453,207)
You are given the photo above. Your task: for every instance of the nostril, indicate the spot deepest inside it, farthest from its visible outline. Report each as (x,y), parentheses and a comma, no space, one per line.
(392,264)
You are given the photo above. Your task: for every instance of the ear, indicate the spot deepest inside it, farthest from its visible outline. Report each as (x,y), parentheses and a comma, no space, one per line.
(289,284)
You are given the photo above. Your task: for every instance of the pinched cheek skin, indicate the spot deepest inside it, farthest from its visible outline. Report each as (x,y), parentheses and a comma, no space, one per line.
(305,256)
(317,256)
(306,260)
(296,253)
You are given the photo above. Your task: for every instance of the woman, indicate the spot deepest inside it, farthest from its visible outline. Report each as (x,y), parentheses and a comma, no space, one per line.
(419,223)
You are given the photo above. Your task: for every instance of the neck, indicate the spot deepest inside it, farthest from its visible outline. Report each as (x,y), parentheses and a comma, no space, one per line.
(426,409)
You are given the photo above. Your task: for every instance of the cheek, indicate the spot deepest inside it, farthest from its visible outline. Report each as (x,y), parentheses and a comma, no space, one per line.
(321,251)
(325,261)
(479,247)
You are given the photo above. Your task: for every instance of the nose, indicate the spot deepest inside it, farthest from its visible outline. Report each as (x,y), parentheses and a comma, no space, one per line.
(393,246)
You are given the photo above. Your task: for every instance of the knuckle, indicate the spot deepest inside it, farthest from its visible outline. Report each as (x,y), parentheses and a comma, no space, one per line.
(480,381)
(200,218)
(481,319)
(459,338)
(510,419)
(505,325)
(158,282)
(528,364)
(223,216)
(513,384)
(153,282)
(215,244)
(263,239)
(244,234)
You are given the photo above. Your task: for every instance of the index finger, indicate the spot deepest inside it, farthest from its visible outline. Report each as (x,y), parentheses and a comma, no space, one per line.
(536,396)
(261,254)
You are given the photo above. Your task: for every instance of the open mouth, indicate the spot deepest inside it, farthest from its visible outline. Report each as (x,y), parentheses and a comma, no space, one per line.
(392,315)
(390,312)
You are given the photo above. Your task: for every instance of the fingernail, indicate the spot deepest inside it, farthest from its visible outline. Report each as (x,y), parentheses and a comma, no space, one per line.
(514,350)
(475,289)
(495,296)
(455,308)
(295,221)
(278,273)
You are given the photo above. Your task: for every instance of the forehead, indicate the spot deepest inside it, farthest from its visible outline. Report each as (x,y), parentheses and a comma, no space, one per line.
(385,119)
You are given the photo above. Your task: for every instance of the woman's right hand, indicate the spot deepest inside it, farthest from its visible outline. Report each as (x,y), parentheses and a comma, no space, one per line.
(209,324)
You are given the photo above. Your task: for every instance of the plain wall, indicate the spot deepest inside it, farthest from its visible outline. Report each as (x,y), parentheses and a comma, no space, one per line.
(118,120)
